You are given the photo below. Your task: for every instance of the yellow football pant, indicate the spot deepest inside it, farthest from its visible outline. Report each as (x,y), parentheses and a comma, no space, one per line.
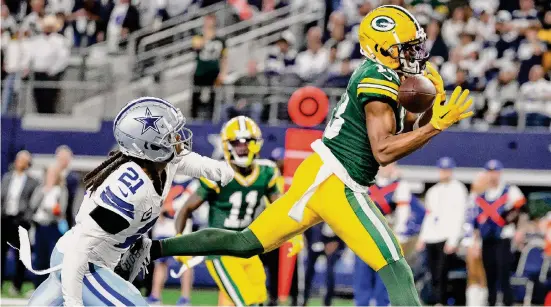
(352,215)
(243,281)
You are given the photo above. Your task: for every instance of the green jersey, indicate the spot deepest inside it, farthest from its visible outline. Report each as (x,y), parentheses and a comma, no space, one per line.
(235,205)
(208,58)
(346,133)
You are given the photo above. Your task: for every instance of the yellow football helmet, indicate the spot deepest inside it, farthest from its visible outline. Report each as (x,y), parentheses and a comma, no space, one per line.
(241,141)
(391,36)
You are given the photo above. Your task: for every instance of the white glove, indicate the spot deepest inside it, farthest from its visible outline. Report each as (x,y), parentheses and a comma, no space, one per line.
(195,165)
(226,173)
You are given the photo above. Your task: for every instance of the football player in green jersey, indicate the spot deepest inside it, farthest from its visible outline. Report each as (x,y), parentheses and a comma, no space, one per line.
(234,206)
(368,128)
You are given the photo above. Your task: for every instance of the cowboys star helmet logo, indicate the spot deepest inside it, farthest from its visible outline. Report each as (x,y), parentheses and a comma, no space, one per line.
(149,121)
(383,23)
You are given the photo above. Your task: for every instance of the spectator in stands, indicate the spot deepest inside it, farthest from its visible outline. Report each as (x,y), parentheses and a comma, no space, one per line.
(123,20)
(63,160)
(446,204)
(545,36)
(500,93)
(483,24)
(15,59)
(248,102)
(210,68)
(461,79)
(86,22)
(338,72)
(337,37)
(454,26)
(8,25)
(355,10)
(17,189)
(498,209)
(49,54)
(281,58)
(530,53)
(449,68)
(526,17)
(48,202)
(60,6)
(535,98)
(312,62)
(30,26)
(435,43)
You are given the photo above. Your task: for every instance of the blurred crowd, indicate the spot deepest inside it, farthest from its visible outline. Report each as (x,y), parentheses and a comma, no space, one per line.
(499,48)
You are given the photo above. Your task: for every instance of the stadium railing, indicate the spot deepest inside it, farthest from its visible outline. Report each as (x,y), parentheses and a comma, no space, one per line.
(178,51)
(103,102)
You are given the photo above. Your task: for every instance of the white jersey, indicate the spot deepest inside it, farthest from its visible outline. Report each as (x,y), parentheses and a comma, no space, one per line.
(130,193)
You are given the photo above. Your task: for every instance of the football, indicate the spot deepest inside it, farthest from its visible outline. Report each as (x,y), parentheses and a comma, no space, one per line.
(416,94)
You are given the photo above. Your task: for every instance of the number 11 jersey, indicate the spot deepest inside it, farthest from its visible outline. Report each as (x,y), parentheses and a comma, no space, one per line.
(235,205)
(346,134)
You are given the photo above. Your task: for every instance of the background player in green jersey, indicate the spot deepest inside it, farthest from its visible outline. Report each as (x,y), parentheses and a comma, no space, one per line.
(234,206)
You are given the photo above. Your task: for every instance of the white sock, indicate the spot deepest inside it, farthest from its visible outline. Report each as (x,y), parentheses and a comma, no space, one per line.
(473,295)
(482,296)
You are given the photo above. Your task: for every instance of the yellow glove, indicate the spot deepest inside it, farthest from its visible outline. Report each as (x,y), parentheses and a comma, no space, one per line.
(183,259)
(443,116)
(297,245)
(432,74)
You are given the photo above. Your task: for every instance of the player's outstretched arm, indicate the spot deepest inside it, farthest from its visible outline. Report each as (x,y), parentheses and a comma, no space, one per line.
(195,165)
(381,126)
(193,202)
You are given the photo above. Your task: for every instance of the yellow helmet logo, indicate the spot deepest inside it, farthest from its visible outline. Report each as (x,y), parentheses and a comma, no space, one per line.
(241,141)
(383,23)
(391,36)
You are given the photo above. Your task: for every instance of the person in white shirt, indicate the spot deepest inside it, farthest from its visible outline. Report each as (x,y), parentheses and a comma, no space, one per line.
(313,61)
(49,56)
(17,188)
(498,211)
(48,203)
(442,227)
(535,97)
(451,28)
(30,26)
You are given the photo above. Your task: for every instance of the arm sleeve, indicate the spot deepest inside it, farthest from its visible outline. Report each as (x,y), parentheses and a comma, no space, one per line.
(195,165)
(381,84)
(63,57)
(75,262)
(458,206)
(516,198)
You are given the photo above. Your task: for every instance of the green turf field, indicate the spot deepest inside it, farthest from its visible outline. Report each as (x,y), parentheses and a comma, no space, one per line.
(199,297)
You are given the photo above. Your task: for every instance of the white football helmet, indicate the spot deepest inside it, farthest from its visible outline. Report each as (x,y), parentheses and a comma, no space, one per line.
(151,129)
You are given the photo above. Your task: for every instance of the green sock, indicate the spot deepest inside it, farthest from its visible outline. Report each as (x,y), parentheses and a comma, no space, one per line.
(212,242)
(399,284)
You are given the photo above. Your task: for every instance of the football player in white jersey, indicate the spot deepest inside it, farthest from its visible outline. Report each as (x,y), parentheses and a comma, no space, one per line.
(123,200)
